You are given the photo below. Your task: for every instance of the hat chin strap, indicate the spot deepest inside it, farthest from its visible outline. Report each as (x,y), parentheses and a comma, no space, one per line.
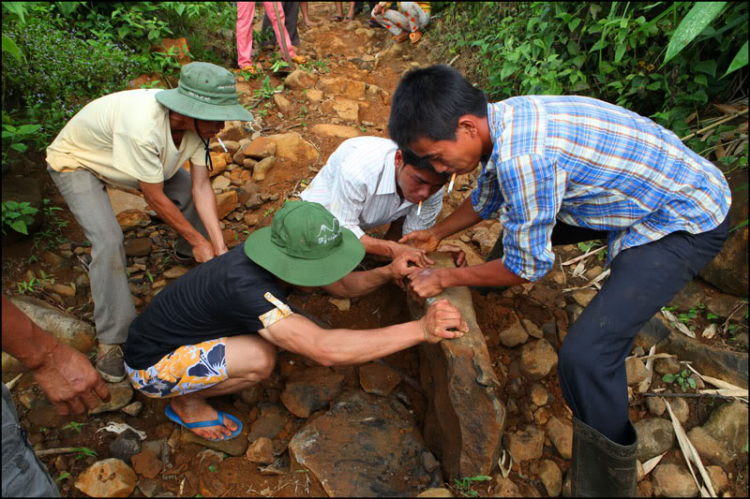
(209,163)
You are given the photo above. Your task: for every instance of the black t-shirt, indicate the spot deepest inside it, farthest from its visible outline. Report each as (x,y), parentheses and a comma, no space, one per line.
(219,298)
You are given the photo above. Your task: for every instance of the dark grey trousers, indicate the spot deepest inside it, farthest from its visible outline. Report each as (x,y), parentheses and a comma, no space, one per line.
(291,13)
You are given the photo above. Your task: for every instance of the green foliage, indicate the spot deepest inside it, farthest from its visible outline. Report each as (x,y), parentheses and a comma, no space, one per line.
(692,25)
(18,216)
(464,485)
(63,476)
(14,137)
(83,452)
(266,91)
(609,51)
(75,426)
(682,379)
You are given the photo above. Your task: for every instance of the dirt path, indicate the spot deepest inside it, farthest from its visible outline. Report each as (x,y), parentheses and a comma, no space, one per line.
(350,53)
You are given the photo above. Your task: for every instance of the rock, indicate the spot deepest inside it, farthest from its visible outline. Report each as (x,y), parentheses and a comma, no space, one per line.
(485,238)
(532,329)
(538,359)
(292,147)
(504,487)
(107,478)
(314,96)
(636,371)
(539,395)
(460,382)
(667,366)
(311,390)
(551,477)
(260,170)
(126,445)
(55,261)
(232,146)
(672,480)
(337,131)
(176,272)
(300,79)
(260,451)
(251,219)
(689,296)
(234,447)
(227,203)
(394,51)
(138,247)
(514,334)
(728,271)
(123,201)
(151,488)
(220,183)
(283,104)
(718,478)
(63,326)
(728,425)
(584,296)
(526,444)
(710,449)
(133,409)
(429,463)
(233,130)
(342,304)
(132,219)
(272,420)
(122,394)
(363,446)
(723,305)
(351,89)
(260,148)
(656,405)
(655,436)
(147,464)
(248,196)
(249,163)
(681,409)
(63,290)
(378,379)
(645,489)
(219,161)
(435,492)
(472,256)
(346,109)
(561,434)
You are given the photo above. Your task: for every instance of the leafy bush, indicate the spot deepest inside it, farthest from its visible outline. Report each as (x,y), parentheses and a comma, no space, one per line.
(18,216)
(611,51)
(62,72)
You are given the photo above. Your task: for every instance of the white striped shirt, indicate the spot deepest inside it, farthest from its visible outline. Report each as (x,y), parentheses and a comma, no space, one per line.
(358,186)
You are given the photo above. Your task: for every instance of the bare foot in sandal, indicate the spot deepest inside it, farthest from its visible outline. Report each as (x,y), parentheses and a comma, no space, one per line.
(196,409)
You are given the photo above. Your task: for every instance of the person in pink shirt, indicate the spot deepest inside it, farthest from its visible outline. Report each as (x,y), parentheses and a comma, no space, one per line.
(245,15)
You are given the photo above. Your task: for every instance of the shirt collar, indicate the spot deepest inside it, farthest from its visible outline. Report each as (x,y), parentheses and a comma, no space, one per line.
(387,180)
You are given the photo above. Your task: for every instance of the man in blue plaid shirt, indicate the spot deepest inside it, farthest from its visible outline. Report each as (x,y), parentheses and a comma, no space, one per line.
(560,170)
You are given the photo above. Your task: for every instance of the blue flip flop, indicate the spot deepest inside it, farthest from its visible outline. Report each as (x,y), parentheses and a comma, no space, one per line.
(202,424)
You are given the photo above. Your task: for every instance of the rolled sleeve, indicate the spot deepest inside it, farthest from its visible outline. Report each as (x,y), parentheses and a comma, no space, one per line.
(486,198)
(534,190)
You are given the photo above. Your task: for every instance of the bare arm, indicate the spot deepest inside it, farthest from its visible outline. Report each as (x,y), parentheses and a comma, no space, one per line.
(391,249)
(346,346)
(205,204)
(167,211)
(64,374)
(364,282)
(463,218)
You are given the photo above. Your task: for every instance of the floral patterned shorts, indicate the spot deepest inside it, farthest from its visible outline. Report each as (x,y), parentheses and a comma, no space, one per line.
(188,369)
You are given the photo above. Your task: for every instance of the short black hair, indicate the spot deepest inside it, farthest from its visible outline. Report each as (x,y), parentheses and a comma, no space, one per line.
(420,163)
(429,101)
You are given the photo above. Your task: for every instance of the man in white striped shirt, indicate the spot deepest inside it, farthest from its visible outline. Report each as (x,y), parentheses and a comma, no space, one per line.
(366,183)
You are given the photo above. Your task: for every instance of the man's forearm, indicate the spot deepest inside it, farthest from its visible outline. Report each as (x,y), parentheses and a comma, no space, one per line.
(374,246)
(23,339)
(492,273)
(361,283)
(347,346)
(205,204)
(463,218)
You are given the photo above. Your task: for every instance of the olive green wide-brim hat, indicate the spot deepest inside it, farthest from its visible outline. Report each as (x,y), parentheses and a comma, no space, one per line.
(305,246)
(206,92)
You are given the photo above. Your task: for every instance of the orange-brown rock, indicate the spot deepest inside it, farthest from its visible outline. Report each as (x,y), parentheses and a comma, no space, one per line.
(351,89)
(337,131)
(131,219)
(292,147)
(107,478)
(226,203)
(260,148)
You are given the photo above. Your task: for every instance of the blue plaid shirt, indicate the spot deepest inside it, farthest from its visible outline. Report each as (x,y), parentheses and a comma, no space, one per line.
(594,165)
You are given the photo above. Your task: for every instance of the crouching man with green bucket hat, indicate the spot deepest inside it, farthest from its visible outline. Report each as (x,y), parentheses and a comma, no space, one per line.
(215,330)
(139,139)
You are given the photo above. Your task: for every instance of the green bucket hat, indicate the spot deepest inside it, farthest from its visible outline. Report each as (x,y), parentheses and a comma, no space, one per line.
(305,246)
(206,92)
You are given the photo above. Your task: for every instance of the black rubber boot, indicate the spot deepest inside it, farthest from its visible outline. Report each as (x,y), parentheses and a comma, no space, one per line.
(600,467)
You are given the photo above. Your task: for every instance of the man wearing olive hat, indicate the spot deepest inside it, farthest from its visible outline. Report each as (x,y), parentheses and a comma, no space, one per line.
(215,330)
(139,139)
